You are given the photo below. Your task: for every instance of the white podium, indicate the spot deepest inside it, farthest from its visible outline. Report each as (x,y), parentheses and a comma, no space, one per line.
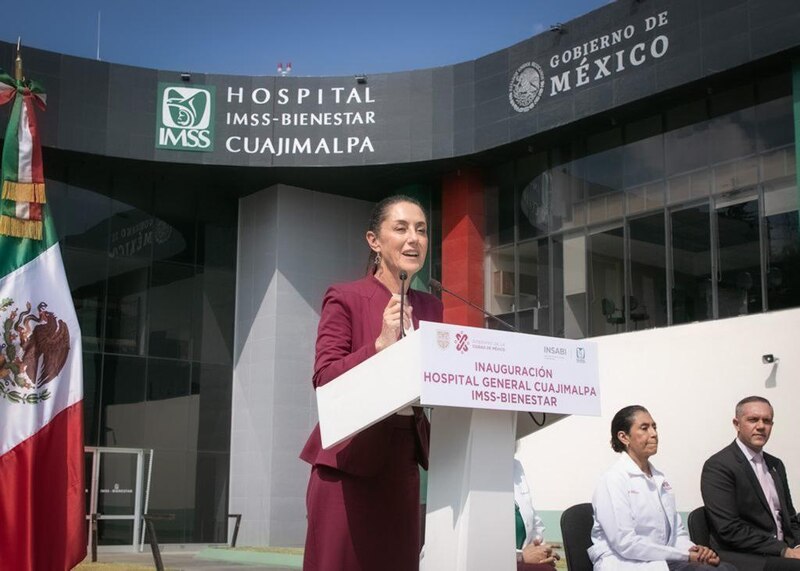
(476,380)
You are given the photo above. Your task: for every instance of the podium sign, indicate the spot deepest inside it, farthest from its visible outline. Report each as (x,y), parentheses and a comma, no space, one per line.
(476,379)
(500,370)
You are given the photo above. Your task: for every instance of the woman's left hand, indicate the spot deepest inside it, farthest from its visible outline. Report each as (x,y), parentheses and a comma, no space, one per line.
(703,554)
(538,552)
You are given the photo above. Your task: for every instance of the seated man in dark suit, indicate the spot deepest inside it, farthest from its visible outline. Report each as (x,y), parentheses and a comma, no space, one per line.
(751,518)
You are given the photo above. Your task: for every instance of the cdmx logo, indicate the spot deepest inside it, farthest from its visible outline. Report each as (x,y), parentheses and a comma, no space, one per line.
(462,342)
(185,117)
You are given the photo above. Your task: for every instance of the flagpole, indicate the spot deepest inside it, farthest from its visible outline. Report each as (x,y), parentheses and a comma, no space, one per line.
(18,62)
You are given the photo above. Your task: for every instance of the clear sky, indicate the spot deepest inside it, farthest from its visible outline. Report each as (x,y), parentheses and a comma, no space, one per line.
(250,37)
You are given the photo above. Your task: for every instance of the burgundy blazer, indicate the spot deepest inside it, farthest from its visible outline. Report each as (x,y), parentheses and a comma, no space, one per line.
(352,314)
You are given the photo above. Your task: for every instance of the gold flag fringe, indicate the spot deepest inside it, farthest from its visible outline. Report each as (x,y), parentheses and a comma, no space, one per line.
(20,228)
(24,191)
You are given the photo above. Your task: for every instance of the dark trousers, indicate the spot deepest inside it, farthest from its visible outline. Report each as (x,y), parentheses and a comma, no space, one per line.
(781,564)
(687,566)
(753,562)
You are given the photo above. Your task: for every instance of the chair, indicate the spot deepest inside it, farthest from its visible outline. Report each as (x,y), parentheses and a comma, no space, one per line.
(700,533)
(638,313)
(576,531)
(609,308)
(698,526)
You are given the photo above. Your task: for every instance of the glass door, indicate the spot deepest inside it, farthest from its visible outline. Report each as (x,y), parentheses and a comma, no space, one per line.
(115,494)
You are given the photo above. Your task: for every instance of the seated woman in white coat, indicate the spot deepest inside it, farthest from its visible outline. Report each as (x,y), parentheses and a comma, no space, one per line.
(636,525)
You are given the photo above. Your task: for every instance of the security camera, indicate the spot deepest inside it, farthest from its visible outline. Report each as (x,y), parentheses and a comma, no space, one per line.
(768,359)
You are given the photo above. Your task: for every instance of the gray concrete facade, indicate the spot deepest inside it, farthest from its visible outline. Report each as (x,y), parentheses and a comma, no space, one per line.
(293,243)
(617,55)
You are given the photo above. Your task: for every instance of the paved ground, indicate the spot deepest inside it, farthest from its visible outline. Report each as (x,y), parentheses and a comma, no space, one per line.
(182,561)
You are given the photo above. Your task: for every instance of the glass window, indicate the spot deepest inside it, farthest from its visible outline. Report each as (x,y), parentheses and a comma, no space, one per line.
(601,169)
(534,312)
(212,385)
(126,306)
(775,125)
(607,282)
(687,187)
(172,491)
(567,198)
(533,189)
(500,205)
(86,224)
(210,509)
(645,197)
(216,231)
(112,228)
(739,283)
(648,271)
(569,287)
(88,228)
(132,223)
(686,138)
(691,265)
(92,375)
(168,379)
(86,272)
(174,223)
(115,532)
(643,156)
(123,408)
(782,237)
(732,130)
(501,281)
(171,307)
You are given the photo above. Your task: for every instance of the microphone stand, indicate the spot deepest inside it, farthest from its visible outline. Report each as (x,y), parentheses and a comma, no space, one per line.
(403,278)
(437,285)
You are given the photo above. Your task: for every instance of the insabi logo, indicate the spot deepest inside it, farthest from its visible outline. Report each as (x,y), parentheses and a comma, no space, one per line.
(185,120)
(462,342)
(554,352)
(526,87)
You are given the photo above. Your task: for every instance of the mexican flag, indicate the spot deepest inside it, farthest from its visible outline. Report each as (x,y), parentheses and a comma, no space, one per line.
(42,506)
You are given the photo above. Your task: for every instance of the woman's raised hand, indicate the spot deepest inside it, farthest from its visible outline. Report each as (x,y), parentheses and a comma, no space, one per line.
(390,326)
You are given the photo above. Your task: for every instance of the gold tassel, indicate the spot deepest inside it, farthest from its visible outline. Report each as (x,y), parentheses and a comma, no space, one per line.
(24,191)
(20,228)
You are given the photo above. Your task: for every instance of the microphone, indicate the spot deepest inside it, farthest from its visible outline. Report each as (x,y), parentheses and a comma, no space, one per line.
(437,285)
(403,278)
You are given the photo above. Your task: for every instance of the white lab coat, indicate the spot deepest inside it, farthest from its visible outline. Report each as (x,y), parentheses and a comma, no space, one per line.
(636,525)
(534,527)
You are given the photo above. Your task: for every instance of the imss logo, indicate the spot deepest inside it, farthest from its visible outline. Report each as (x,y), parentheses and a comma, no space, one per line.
(185,118)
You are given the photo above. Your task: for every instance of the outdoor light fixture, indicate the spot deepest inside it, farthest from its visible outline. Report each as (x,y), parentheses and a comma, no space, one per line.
(361,79)
(186,76)
(558,27)
(769,359)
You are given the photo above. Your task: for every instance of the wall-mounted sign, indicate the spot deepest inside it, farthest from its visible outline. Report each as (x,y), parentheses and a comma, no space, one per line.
(185,117)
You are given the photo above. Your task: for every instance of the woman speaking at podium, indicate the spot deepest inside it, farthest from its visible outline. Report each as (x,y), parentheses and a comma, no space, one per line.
(363,494)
